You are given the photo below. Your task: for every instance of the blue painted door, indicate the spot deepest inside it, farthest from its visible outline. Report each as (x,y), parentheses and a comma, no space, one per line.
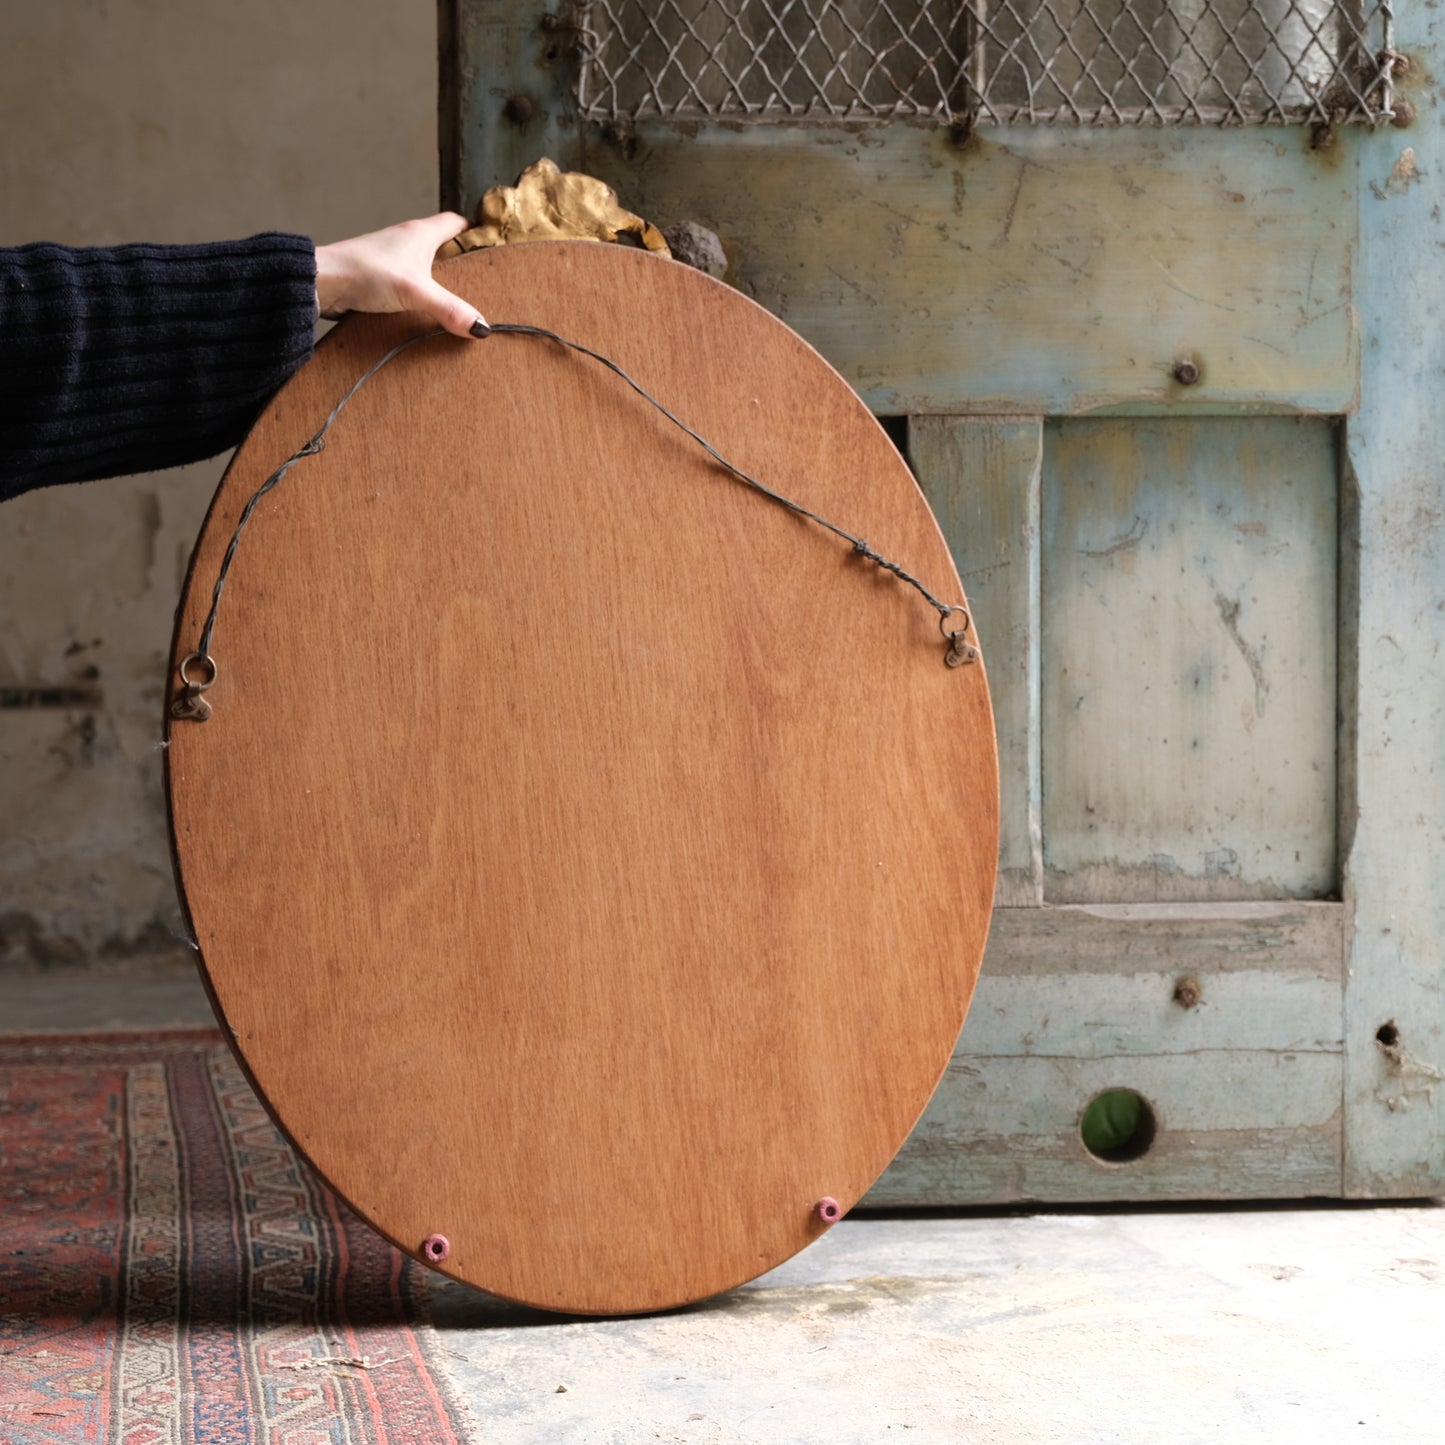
(1153,289)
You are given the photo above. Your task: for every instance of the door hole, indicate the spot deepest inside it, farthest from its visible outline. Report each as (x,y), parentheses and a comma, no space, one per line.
(1118,1126)
(897,429)
(1388,1038)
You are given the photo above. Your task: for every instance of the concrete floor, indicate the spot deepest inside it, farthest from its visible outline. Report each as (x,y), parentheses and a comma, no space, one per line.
(1160,1327)
(1131,1327)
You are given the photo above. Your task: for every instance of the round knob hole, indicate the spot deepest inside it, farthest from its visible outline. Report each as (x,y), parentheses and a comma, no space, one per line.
(1118,1126)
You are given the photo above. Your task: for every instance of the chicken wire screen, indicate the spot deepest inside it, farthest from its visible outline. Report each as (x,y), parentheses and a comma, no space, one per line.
(1052,61)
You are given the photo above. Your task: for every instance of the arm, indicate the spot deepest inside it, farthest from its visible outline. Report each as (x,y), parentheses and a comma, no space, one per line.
(133,358)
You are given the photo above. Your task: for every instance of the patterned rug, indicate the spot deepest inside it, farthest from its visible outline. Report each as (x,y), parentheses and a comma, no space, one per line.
(170,1273)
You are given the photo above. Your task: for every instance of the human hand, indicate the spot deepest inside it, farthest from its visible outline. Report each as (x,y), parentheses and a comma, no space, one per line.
(390,270)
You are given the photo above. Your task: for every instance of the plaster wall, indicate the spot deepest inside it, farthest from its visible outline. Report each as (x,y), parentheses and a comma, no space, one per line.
(129,120)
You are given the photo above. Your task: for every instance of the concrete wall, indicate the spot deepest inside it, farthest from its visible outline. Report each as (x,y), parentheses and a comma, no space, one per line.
(127,120)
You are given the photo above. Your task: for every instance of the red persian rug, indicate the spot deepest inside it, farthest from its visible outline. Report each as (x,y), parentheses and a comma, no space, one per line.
(171,1273)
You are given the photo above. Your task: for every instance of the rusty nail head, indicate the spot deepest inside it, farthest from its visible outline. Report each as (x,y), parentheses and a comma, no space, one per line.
(519,109)
(1186,372)
(1404,115)
(1187,992)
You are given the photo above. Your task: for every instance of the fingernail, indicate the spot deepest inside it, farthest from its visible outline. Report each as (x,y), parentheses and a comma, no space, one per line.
(480,328)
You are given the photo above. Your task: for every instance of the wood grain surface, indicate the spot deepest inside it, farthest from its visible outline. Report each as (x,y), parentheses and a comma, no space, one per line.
(591,860)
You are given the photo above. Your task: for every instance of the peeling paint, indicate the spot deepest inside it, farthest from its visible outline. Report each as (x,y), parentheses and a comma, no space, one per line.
(1408,1077)
(1053,270)
(1127,542)
(149,535)
(1404,172)
(1229,615)
(29,942)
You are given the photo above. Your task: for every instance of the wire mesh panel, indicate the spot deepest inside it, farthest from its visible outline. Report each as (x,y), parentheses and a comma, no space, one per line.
(1071,61)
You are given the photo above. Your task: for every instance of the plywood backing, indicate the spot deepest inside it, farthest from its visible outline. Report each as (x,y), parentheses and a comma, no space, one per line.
(592,860)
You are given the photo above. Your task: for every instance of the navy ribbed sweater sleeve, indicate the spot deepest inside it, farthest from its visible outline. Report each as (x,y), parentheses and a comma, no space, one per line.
(132,358)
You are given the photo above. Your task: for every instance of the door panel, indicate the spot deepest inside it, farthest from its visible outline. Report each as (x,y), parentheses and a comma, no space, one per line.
(1001,269)
(1393,577)
(981,476)
(1189,620)
(1012,1134)
(1243,1074)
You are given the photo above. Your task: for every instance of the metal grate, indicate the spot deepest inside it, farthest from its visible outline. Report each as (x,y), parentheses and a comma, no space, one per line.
(1091,62)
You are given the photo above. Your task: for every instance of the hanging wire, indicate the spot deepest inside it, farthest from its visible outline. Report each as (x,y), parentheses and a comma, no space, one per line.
(858,544)
(192,705)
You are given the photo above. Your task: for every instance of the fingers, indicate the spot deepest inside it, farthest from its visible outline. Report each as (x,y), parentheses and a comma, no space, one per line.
(433,299)
(436,301)
(435,231)
(391,270)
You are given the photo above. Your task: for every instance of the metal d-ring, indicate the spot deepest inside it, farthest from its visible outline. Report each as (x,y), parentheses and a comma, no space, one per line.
(190,704)
(960,650)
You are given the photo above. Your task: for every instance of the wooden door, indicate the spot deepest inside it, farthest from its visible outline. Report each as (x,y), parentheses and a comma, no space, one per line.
(1154,291)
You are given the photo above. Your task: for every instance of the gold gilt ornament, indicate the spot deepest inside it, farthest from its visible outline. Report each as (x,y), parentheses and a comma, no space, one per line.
(549,204)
